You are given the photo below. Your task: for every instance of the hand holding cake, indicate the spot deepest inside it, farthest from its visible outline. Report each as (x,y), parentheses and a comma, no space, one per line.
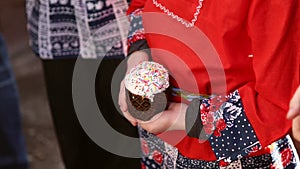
(171,119)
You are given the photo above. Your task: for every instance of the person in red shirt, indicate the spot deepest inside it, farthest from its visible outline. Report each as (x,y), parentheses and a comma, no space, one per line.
(240,59)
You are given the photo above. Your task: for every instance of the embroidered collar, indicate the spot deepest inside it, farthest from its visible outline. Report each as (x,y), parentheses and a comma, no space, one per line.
(178,18)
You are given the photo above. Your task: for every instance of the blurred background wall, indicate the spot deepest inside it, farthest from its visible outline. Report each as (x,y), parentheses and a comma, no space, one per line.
(43,152)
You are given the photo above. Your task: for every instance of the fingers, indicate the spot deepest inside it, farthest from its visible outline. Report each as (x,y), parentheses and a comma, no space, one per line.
(123,105)
(131,119)
(158,124)
(296,128)
(171,119)
(294,105)
(122,97)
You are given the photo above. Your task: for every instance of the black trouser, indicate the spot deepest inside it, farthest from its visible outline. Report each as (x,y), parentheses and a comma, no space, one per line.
(78,150)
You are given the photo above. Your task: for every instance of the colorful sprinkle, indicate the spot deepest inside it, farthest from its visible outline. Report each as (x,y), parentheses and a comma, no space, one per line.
(147,79)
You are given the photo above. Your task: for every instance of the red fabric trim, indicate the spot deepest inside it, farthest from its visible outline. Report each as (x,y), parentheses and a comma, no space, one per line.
(137,36)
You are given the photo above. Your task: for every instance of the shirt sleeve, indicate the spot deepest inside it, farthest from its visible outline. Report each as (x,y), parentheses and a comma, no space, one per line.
(136,39)
(254,116)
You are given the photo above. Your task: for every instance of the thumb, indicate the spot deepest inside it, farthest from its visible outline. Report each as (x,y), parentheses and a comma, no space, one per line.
(294,109)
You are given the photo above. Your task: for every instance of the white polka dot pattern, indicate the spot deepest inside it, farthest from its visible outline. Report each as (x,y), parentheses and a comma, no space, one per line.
(160,155)
(238,139)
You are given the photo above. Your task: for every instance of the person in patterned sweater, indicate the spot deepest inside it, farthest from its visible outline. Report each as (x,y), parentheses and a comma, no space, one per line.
(61,33)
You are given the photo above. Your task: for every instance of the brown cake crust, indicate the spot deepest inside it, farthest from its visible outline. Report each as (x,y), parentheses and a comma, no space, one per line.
(142,108)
